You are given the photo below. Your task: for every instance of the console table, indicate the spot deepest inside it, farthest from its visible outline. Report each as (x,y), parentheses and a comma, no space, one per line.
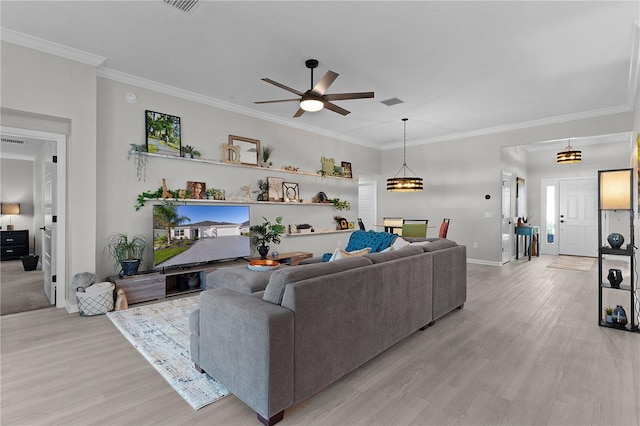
(533,232)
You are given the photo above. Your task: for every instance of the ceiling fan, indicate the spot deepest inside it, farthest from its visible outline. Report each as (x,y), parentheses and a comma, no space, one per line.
(315,98)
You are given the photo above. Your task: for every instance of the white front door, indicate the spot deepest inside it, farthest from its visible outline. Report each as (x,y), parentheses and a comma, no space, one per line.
(507,228)
(578,234)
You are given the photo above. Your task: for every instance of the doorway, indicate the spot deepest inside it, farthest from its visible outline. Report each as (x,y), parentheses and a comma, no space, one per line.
(367,200)
(49,225)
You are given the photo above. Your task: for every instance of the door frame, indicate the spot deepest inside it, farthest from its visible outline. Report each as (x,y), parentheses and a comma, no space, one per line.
(60,141)
(506,245)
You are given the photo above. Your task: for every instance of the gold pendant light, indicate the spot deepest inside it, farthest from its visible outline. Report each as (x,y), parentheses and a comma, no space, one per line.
(404,183)
(569,155)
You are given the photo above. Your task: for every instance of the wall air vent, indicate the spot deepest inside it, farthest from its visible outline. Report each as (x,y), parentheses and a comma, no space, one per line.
(392,101)
(182,5)
(17,141)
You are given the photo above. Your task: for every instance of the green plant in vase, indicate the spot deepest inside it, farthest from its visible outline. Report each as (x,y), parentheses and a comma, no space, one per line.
(266,233)
(140,159)
(126,252)
(266,155)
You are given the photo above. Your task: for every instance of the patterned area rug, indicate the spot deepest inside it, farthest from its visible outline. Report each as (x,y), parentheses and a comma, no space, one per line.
(574,263)
(160,332)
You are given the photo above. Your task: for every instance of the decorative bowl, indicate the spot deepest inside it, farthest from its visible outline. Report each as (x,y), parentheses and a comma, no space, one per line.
(263,265)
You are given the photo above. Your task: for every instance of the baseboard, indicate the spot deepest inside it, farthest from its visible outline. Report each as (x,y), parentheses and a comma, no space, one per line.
(483,262)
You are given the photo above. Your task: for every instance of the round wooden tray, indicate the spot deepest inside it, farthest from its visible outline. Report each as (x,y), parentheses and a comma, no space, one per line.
(263,265)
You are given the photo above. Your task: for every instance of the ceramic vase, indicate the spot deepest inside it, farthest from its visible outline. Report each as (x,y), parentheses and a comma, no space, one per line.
(615,240)
(263,250)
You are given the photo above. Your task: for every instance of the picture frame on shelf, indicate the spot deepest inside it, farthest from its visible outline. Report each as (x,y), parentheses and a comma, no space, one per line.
(163,133)
(249,152)
(230,154)
(197,190)
(275,188)
(291,192)
(346,168)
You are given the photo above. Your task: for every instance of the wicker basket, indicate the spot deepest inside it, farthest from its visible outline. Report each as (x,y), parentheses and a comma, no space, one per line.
(96,300)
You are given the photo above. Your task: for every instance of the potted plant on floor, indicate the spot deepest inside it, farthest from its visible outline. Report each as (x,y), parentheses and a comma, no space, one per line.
(266,233)
(126,252)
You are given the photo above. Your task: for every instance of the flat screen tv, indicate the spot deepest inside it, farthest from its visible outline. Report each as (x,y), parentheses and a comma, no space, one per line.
(188,235)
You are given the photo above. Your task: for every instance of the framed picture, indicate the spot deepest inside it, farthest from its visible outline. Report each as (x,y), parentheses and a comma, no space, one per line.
(291,192)
(249,152)
(197,190)
(344,224)
(346,168)
(164,134)
(275,188)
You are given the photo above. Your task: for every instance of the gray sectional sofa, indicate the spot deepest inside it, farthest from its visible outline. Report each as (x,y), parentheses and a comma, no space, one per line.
(315,323)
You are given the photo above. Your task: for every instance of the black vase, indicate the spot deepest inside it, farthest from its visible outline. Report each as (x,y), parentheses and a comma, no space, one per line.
(615,240)
(263,250)
(619,316)
(615,277)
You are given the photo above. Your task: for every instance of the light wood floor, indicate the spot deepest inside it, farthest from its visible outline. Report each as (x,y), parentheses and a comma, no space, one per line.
(525,350)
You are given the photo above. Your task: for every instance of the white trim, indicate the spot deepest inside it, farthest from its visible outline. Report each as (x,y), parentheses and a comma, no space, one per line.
(484,262)
(51,47)
(61,196)
(206,100)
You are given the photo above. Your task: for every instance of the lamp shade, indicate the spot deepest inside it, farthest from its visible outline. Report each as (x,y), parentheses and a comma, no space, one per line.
(311,104)
(10,208)
(615,189)
(569,155)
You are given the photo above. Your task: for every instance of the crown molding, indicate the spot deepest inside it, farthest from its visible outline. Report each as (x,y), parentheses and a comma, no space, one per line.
(51,47)
(206,100)
(516,126)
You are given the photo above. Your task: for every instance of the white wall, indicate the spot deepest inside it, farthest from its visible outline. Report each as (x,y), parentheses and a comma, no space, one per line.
(121,123)
(459,173)
(45,90)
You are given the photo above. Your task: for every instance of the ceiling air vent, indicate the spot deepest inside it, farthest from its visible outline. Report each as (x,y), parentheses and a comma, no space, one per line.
(182,5)
(392,101)
(18,141)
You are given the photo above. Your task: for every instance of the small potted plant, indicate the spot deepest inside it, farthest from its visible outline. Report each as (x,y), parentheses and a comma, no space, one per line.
(340,204)
(126,252)
(266,233)
(266,154)
(210,192)
(187,151)
(608,311)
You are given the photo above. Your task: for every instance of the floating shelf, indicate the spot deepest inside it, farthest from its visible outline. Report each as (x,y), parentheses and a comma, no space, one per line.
(271,169)
(320,231)
(194,200)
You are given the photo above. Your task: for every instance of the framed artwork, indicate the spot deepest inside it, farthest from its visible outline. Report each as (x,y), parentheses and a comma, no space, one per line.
(346,168)
(291,192)
(230,154)
(164,134)
(249,151)
(344,224)
(275,188)
(197,190)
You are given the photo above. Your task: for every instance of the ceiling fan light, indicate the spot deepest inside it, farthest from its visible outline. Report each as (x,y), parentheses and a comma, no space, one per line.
(311,104)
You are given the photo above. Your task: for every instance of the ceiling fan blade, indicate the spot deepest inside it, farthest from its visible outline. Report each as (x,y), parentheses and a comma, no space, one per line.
(327,79)
(282,86)
(279,100)
(335,108)
(298,113)
(345,96)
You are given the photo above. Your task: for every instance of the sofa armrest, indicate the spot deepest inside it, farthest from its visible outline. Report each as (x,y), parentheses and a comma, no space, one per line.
(247,345)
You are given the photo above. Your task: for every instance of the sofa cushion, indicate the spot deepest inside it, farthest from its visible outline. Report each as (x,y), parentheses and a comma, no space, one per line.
(439,244)
(378,241)
(341,254)
(394,254)
(238,278)
(281,277)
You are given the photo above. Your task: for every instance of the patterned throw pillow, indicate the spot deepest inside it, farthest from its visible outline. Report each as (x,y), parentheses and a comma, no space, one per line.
(341,254)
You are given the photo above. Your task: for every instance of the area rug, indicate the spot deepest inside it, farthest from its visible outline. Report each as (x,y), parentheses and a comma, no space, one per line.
(160,332)
(574,263)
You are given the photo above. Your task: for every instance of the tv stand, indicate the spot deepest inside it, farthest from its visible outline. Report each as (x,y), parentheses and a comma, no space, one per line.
(154,285)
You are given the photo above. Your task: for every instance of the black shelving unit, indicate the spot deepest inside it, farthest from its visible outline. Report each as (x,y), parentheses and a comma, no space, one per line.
(626,251)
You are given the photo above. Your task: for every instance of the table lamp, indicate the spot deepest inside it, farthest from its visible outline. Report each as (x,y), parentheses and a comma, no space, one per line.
(10,209)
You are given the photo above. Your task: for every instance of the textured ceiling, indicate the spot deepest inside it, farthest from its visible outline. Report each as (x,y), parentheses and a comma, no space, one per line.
(461,68)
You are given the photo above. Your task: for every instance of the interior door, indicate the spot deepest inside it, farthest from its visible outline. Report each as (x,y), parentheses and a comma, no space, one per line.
(367,203)
(49,237)
(507,228)
(578,234)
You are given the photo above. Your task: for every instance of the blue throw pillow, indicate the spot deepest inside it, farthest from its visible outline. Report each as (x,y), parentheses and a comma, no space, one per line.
(378,241)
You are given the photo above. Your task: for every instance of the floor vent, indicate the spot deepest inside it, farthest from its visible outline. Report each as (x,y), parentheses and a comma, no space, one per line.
(18,141)
(182,5)
(392,101)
